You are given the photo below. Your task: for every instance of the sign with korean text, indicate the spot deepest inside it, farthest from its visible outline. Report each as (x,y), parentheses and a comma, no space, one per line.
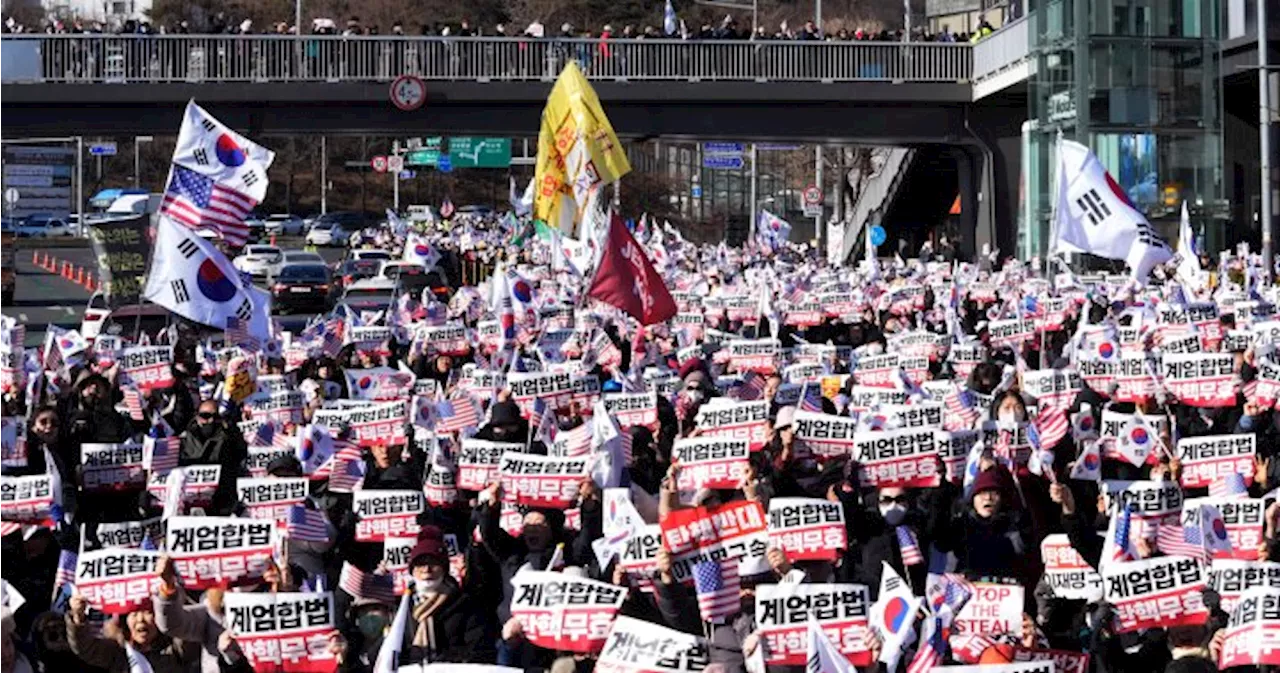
(1053,387)
(381,423)
(1152,502)
(444,339)
(1155,593)
(826,435)
(382,514)
(541,481)
(122,250)
(733,530)
(117,580)
(1012,332)
(112,467)
(26,499)
(478,462)
(906,458)
(632,409)
(878,371)
(1207,459)
(129,533)
(281,406)
(271,497)
(747,421)
(210,551)
(555,388)
(287,632)
(1066,572)
(1253,631)
(711,462)
(562,612)
(1243,517)
(148,367)
(1201,379)
(807,528)
(637,646)
(783,612)
(757,355)
(1231,578)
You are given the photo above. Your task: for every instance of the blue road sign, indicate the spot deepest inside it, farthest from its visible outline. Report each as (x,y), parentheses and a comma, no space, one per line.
(444,164)
(696,191)
(102,149)
(723,162)
(722,148)
(408,174)
(877,235)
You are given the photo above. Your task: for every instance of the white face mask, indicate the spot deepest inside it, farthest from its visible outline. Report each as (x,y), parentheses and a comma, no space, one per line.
(1007,417)
(893,514)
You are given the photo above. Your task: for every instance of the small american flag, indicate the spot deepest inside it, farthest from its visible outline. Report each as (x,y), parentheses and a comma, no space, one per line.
(1228,486)
(344,469)
(1052,425)
(457,415)
(752,387)
(133,402)
(200,203)
(332,337)
(547,427)
(576,442)
(949,594)
(910,548)
(66,573)
(164,452)
(932,647)
(308,525)
(717,589)
(812,400)
(1176,540)
(237,333)
(960,404)
(360,584)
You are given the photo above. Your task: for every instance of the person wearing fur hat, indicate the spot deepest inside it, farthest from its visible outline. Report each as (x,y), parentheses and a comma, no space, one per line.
(988,533)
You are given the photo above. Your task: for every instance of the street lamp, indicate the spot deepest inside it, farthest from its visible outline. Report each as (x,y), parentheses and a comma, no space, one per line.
(137,163)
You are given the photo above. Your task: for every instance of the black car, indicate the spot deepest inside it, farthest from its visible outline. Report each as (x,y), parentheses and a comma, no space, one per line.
(302,286)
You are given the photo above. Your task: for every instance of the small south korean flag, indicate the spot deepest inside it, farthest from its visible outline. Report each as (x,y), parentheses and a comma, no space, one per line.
(208,147)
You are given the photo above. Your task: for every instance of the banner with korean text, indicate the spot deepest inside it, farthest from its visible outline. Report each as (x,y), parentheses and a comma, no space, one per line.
(211,551)
(637,646)
(119,580)
(710,462)
(562,612)
(283,632)
(807,528)
(732,530)
(905,458)
(541,481)
(1155,593)
(382,514)
(783,612)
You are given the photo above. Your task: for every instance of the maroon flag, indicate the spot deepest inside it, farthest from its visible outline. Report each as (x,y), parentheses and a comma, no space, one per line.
(626,278)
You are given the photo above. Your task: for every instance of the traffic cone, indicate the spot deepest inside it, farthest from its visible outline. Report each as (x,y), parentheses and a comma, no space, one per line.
(273,240)
(80,275)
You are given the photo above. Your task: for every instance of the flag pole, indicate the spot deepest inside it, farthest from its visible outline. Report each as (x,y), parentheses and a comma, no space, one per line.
(1053,207)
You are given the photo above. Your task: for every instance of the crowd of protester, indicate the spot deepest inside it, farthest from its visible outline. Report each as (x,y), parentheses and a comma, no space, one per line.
(986,527)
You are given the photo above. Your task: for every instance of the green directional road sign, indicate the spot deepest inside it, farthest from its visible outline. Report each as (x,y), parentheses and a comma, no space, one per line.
(429,155)
(480,152)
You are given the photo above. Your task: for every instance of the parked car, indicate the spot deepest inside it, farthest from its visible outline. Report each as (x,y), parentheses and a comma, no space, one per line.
(257,227)
(293,257)
(373,294)
(256,260)
(94,314)
(285,225)
(301,286)
(43,226)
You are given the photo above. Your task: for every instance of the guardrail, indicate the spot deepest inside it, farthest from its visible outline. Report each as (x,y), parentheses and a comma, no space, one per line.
(269,58)
(1006,47)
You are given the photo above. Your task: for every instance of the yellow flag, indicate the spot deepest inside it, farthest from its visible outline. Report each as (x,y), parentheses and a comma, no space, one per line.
(578,152)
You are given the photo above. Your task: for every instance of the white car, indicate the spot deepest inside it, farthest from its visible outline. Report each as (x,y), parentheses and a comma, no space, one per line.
(328,233)
(370,253)
(257,260)
(285,225)
(94,314)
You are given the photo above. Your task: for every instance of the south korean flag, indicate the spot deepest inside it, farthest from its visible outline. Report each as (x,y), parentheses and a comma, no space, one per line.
(208,147)
(1095,215)
(191,278)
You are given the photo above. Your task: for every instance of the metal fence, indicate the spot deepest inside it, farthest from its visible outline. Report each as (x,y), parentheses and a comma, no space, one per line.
(1008,46)
(182,58)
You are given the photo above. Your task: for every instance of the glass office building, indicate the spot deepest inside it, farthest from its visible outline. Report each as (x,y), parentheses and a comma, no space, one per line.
(1138,82)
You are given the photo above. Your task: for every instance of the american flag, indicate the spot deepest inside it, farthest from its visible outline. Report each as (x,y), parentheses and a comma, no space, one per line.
(1227,486)
(361,584)
(1052,426)
(910,548)
(717,589)
(1123,551)
(66,573)
(752,387)
(960,404)
(812,400)
(577,442)
(546,417)
(332,336)
(948,595)
(457,414)
(237,333)
(1176,540)
(133,402)
(933,647)
(344,469)
(200,203)
(308,525)
(164,451)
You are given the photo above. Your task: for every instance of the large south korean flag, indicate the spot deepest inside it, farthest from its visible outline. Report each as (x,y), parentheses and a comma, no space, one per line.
(191,278)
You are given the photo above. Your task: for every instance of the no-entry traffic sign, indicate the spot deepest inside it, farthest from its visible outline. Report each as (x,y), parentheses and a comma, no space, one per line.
(408,92)
(378,164)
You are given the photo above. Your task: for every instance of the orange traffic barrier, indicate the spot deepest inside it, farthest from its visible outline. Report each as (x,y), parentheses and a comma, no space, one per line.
(79,275)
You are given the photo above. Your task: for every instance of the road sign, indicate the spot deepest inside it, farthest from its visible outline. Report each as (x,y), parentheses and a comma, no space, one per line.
(812,196)
(408,174)
(773,147)
(103,149)
(696,191)
(413,143)
(10,196)
(813,210)
(877,235)
(722,148)
(395,163)
(408,92)
(378,164)
(428,153)
(722,162)
(465,152)
(144,139)
(444,164)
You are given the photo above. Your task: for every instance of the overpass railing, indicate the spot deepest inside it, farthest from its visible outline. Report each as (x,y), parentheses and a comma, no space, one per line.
(269,58)
(1003,49)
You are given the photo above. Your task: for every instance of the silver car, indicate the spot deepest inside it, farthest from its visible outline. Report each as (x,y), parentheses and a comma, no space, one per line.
(257,260)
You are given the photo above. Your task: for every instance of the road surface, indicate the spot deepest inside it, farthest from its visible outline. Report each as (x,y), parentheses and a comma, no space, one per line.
(42,298)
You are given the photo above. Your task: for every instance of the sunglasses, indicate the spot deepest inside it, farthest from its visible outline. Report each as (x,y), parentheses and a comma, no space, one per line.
(893,499)
(206,415)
